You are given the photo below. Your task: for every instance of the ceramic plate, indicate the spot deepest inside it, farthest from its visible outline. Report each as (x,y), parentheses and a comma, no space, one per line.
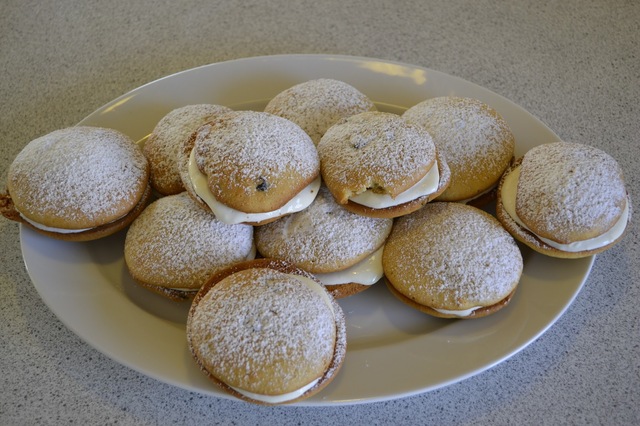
(393,351)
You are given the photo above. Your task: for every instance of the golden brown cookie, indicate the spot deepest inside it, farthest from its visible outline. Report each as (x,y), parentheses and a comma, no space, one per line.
(565,200)
(174,246)
(379,165)
(267,332)
(77,184)
(452,260)
(250,167)
(168,136)
(316,105)
(476,141)
(342,249)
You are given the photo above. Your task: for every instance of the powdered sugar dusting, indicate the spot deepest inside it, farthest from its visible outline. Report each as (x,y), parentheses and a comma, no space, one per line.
(452,256)
(269,334)
(250,145)
(78,177)
(316,105)
(323,238)
(168,136)
(476,142)
(176,243)
(382,146)
(570,191)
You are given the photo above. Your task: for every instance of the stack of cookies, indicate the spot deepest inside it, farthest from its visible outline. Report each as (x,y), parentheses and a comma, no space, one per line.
(263,220)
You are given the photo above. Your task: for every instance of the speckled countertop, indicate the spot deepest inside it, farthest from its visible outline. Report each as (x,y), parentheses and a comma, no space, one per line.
(573,64)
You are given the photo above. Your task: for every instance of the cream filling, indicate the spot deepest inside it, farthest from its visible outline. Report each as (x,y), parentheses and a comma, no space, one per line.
(508,196)
(425,186)
(275,399)
(232,216)
(57,230)
(367,272)
(460,313)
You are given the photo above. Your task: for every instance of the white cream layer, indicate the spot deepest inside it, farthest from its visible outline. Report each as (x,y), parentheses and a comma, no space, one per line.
(425,186)
(50,229)
(508,195)
(232,216)
(276,399)
(57,230)
(367,272)
(461,313)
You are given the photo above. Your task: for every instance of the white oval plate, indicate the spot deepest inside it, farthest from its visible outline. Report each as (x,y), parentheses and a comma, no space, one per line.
(393,351)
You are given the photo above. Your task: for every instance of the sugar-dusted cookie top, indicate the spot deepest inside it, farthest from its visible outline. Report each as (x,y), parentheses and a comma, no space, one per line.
(255,161)
(78,177)
(175,244)
(325,237)
(267,332)
(452,257)
(374,152)
(161,148)
(316,105)
(569,191)
(475,140)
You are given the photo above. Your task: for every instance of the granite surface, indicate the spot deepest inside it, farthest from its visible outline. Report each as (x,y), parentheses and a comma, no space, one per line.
(573,64)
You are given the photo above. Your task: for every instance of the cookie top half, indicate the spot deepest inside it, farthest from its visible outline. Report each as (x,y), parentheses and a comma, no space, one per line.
(325,237)
(267,332)
(163,144)
(316,105)
(569,192)
(475,140)
(78,177)
(374,151)
(175,244)
(255,162)
(452,256)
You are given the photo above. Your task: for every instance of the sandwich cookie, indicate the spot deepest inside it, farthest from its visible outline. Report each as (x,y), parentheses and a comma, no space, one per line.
(163,144)
(267,332)
(316,105)
(342,249)
(452,260)
(379,165)
(250,167)
(77,184)
(475,140)
(174,246)
(565,200)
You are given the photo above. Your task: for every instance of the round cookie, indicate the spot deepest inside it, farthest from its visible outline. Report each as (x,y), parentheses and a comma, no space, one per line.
(267,332)
(379,165)
(565,200)
(316,105)
(342,249)
(250,167)
(168,136)
(452,260)
(77,184)
(174,246)
(476,141)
